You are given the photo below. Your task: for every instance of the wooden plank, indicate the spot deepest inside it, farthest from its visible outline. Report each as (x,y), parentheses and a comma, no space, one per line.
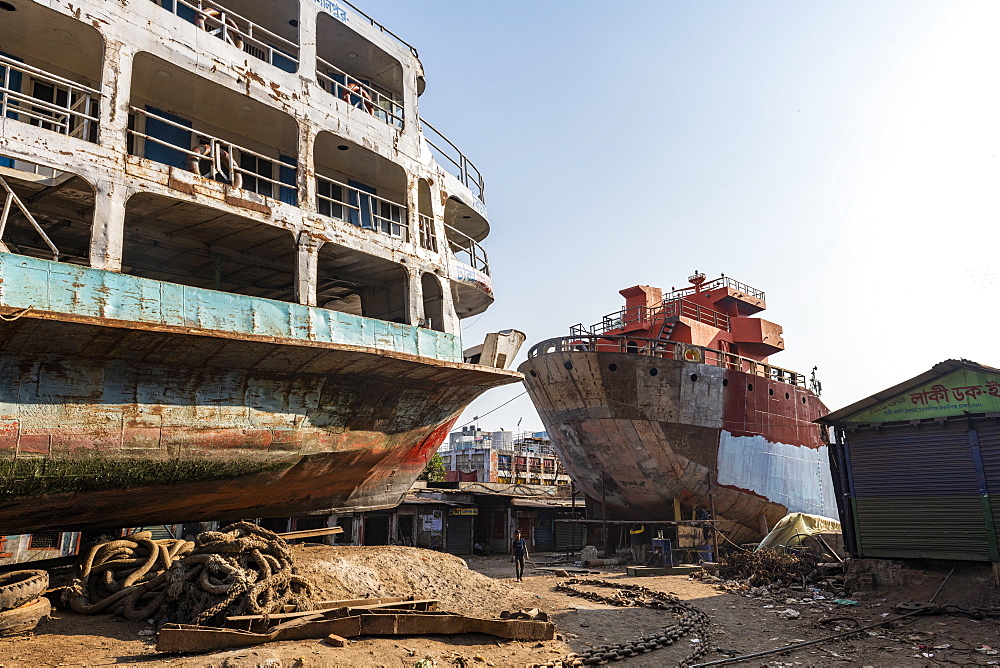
(309,533)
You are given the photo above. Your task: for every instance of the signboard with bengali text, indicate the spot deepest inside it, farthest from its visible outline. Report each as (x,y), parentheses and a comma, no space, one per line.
(964,391)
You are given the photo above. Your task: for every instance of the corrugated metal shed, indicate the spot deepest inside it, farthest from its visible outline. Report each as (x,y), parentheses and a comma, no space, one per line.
(915,465)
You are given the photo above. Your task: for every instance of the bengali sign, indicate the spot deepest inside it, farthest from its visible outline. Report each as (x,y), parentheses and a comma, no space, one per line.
(964,391)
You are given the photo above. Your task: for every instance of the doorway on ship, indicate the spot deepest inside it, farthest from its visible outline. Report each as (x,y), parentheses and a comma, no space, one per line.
(404,530)
(377,529)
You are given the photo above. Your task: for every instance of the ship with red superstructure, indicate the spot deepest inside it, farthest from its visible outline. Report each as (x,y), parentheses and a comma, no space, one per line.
(673,399)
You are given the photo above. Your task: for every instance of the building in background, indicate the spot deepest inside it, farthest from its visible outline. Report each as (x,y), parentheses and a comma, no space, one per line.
(527,458)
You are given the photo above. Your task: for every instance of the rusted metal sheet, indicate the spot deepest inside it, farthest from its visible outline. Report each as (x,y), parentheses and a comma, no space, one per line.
(186,638)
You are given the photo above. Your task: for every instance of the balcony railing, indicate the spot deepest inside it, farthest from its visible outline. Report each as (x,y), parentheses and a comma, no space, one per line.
(455,161)
(222,161)
(428,238)
(359,94)
(72,109)
(670,350)
(242,33)
(375,24)
(467,250)
(644,314)
(357,207)
(722,282)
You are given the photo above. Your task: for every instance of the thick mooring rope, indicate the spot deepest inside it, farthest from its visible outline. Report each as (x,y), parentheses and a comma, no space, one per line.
(240,570)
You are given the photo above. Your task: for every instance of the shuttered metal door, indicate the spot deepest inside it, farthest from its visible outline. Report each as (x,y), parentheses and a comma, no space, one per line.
(988,430)
(459,540)
(917,493)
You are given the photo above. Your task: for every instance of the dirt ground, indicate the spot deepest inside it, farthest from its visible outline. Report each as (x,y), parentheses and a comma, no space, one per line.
(740,623)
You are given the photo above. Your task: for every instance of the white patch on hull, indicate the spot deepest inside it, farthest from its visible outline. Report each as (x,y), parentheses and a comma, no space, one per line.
(797,477)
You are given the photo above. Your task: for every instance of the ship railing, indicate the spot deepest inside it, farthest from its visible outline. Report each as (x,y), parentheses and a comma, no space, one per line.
(359,94)
(75,117)
(13,199)
(455,161)
(644,314)
(227,25)
(721,282)
(671,350)
(219,159)
(428,237)
(467,250)
(380,27)
(363,209)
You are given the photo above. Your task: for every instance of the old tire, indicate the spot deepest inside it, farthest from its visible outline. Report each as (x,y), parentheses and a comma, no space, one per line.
(20,587)
(24,618)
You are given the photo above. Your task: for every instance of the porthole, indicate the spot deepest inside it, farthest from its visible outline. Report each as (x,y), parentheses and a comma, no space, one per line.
(568,365)
(725,382)
(786,395)
(533,374)
(750,387)
(612,367)
(770,392)
(653,372)
(7,7)
(694,377)
(803,399)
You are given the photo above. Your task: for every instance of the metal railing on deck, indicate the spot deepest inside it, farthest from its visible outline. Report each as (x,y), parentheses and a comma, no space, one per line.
(241,32)
(467,250)
(72,112)
(359,94)
(357,207)
(722,282)
(455,161)
(644,314)
(12,198)
(374,24)
(220,160)
(670,350)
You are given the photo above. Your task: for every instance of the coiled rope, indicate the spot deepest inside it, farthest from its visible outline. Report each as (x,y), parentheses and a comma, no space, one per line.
(240,570)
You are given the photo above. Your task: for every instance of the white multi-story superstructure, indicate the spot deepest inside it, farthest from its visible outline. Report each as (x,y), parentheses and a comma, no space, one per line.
(263,147)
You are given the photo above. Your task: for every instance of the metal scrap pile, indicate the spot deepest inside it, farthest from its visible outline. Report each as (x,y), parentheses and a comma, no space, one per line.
(242,569)
(767,567)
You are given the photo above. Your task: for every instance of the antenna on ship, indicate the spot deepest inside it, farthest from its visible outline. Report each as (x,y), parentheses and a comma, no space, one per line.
(814,384)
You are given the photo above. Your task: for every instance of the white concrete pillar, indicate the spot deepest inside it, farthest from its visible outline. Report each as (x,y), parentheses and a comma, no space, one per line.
(108,229)
(306,268)
(306,180)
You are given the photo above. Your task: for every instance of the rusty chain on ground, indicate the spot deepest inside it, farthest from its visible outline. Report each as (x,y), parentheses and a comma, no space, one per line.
(692,621)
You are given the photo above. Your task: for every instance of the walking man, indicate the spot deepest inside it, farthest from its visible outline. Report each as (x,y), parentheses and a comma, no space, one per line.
(518,553)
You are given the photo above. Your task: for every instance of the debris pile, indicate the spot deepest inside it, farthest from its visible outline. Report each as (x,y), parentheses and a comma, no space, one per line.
(768,567)
(242,569)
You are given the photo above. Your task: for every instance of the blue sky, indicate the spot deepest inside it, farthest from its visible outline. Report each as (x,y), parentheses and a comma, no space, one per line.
(841,156)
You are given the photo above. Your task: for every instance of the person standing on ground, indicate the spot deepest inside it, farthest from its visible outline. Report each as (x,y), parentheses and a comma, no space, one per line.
(518,553)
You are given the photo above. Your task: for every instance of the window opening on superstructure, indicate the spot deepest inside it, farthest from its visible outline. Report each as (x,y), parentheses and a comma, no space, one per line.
(355,71)
(192,244)
(359,283)
(50,72)
(260,29)
(211,131)
(360,187)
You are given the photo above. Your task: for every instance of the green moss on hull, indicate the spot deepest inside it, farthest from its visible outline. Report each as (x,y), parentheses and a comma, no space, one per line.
(38,477)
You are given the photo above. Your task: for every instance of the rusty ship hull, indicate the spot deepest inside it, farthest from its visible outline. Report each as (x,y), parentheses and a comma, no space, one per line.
(112,416)
(655,429)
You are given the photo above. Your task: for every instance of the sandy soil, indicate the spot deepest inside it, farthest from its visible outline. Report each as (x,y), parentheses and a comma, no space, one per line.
(741,624)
